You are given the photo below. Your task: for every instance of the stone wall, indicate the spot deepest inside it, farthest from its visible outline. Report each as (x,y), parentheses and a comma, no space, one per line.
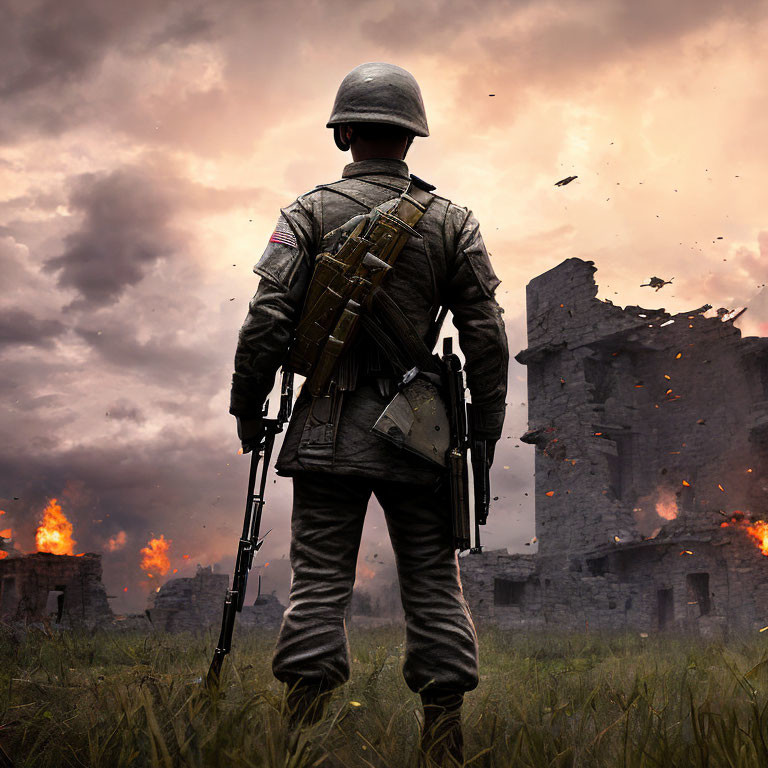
(64,589)
(196,603)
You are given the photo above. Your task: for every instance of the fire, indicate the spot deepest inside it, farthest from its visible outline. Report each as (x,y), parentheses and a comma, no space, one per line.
(155,556)
(666,506)
(5,533)
(54,533)
(3,554)
(759,532)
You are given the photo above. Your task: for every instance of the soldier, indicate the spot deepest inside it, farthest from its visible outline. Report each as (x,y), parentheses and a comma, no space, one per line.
(329,450)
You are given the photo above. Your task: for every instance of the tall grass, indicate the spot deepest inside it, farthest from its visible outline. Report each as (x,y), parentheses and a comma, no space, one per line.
(106,700)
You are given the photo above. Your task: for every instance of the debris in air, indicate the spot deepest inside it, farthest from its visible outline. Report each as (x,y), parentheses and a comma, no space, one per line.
(657,283)
(566,180)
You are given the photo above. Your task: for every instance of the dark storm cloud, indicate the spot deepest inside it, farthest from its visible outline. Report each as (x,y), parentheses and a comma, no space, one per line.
(126,229)
(54,43)
(20,327)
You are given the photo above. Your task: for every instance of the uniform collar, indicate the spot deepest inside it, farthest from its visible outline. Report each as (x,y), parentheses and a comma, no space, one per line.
(386,167)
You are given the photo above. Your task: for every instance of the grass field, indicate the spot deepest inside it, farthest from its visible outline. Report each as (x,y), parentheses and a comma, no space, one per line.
(572,700)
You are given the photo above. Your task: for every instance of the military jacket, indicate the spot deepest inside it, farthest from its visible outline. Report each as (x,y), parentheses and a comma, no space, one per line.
(448,266)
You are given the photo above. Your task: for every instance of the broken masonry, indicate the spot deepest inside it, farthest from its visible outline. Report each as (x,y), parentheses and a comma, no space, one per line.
(651,435)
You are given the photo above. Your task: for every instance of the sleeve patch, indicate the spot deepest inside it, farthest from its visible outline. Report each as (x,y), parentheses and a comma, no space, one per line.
(283,234)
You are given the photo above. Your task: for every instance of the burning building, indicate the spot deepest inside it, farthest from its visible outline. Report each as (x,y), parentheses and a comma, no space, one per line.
(64,589)
(651,435)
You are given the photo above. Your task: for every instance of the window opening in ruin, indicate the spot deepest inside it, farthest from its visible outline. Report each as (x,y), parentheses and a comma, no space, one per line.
(665,608)
(600,378)
(8,597)
(620,464)
(597,566)
(508,592)
(698,591)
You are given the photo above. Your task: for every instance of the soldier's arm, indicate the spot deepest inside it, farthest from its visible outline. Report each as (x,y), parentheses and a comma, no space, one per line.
(478,318)
(284,269)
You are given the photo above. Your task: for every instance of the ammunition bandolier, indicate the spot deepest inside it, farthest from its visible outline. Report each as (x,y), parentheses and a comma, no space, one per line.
(448,266)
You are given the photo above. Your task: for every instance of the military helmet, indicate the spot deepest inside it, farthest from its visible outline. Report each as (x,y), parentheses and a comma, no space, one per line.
(379,93)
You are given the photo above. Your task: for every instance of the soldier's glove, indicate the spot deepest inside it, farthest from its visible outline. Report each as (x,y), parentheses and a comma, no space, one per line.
(251,433)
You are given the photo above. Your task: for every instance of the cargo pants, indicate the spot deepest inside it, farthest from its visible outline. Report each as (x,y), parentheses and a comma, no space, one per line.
(326,526)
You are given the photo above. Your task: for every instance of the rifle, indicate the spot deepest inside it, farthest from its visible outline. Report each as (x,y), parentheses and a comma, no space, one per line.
(250,543)
(469,491)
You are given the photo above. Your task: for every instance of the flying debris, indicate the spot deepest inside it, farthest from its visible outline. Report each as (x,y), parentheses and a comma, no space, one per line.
(657,283)
(566,180)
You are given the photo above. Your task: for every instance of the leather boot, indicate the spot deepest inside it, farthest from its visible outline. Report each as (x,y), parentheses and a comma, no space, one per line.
(442,740)
(305,705)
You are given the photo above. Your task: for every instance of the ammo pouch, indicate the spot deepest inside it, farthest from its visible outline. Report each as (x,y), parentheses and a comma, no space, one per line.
(416,420)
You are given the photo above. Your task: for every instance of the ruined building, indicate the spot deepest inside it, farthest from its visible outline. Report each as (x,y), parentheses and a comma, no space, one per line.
(651,435)
(64,589)
(196,603)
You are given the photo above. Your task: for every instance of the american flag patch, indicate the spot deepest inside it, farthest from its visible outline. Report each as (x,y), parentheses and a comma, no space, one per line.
(283,234)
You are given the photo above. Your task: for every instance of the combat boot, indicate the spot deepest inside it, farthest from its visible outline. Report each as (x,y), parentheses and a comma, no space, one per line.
(442,740)
(305,705)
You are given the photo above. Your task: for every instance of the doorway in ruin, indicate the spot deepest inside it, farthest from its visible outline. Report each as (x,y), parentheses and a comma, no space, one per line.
(698,591)
(665,608)
(54,605)
(8,598)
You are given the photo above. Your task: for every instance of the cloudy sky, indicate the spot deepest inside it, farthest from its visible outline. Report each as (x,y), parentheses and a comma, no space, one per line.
(146,147)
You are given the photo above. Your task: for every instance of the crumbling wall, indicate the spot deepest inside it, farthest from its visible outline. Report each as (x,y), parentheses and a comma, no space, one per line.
(502,588)
(196,603)
(633,407)
(651,433)
(65,589)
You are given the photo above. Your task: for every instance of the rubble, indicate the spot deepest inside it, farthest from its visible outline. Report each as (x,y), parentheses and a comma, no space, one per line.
(649,428)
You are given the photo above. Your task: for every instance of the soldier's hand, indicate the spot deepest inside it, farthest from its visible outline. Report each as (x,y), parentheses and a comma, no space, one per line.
(251,433)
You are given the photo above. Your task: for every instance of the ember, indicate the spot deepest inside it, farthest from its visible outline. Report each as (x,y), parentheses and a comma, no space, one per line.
(54,534)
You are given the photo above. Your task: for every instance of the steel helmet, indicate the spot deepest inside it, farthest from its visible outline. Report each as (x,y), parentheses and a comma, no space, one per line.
(379,93)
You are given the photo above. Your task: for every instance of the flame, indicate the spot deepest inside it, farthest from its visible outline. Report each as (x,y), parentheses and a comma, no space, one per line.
(686,483)
(155,556)
(54,533)
(5,533)
(549,493)
(3,554)
(666,506)
(125,589)
(185,557)
(2,511)
(117,542)
(759,532)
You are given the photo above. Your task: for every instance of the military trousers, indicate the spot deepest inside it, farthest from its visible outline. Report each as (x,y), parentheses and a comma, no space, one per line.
(326,526)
